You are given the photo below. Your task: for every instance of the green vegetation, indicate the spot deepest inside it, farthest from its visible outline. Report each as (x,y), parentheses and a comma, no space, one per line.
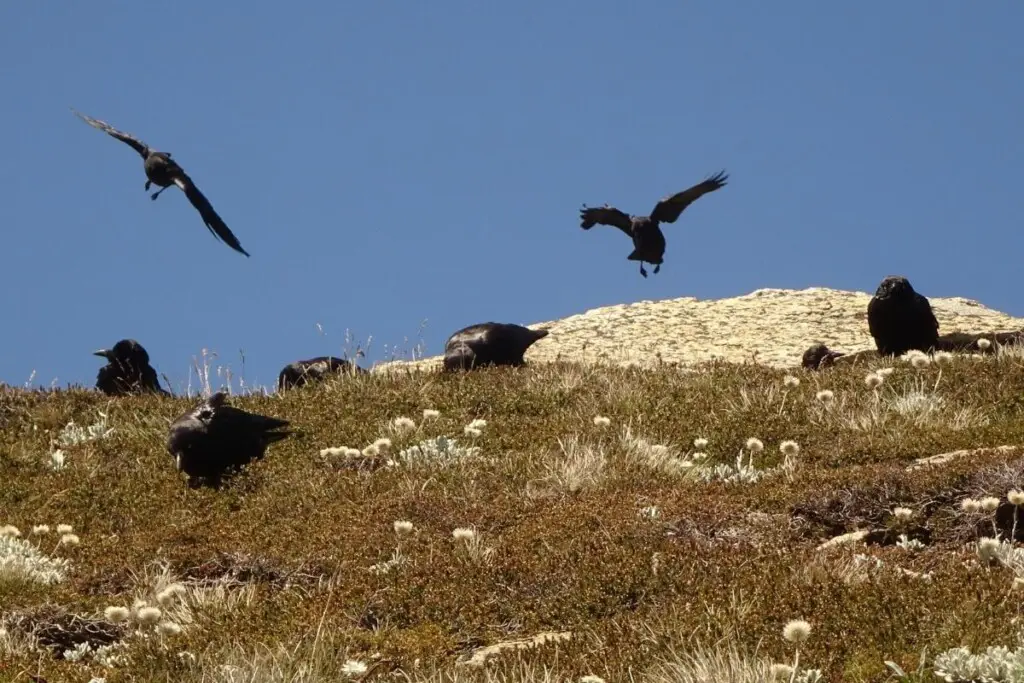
(661,560)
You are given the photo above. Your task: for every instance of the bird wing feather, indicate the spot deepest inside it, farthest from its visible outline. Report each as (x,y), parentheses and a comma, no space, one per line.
(214,223)
(669,208)
(605,215)
(136,144)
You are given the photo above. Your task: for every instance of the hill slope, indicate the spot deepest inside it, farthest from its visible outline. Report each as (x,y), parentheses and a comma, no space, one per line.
(777,324)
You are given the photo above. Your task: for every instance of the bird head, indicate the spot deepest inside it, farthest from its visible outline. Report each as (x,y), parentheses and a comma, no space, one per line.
(894,285)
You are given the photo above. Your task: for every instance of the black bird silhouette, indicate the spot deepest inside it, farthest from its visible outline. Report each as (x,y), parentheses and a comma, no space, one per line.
(215,439)
(489,344)
(648,240)
(164,171)
(128,370)
(900,319)
(314,370)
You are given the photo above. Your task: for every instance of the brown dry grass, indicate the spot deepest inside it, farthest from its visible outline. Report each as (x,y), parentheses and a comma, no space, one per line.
(277,567)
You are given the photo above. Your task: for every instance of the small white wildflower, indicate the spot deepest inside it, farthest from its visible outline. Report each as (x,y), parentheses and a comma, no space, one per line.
(41,529)
(591,678)
(403,424)
(943,357)
(472,431)
(167,595)
(115,614)
(919,360)
(781,672)
(383,444)
(984,344)
(902,514)
(789,448)
(478,423)
(69,539)
(1015,497)
(350,452)
(353,667)
(601,421)
(168,628)
(148,615)
(430,413)
(371,451)
(970,505)
(403,527)
(989,503)
(332,451)
(463,534)
(790,381)
(825,396)
(988,548)
(884,372)
(699,456)
(873,380)
(64,529)
(755,445)
(700,443)
(57,459)
(797,631)
(10,530)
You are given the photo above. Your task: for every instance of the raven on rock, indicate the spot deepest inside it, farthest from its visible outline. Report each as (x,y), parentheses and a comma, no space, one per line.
(648,240)
(214,439)
(900,319)
(164,171)
(128,370)
(489,344)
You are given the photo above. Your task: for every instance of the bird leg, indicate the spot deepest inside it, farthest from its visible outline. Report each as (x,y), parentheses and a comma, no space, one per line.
(157,193)
(148,183)
(642,271)
(657,268)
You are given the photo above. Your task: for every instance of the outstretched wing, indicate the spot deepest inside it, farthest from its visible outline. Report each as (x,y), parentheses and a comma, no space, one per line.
(669,208)
(605,215)
(214,223)
(136,144)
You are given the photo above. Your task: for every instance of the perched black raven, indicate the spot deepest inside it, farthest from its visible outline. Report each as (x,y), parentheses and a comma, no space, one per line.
(489,344)
(900,319)
(127,371)
(164,171)
(216,439)
(648,240)
(313,370)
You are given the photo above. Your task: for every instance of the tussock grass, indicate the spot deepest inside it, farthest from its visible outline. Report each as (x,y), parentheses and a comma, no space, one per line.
(669,520)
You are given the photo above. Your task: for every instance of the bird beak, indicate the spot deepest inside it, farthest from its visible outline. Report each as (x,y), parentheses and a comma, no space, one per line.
(103,353)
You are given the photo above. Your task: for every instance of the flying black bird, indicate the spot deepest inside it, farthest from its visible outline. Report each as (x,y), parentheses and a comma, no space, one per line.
(900,319)
(164,171)
(214,439)
(128,370)
(648,240)
(313,370)
(489,344)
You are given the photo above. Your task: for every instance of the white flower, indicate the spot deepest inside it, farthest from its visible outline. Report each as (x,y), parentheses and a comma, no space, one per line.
(1015,497)
(789,448)
(700,443)
(943,357)
(116,615)
(430,413)
(781,672)
(601,421)
(984,344)
(57,459)
(403,424)
(168,628)
(402,526)
(989,503)
(41,529)
(472,431)
(353,667)
(825,396)
(64,528)
(463,534)
(69,539)
(884,372)
(754,445)
(902,514)
(148,615)
(919,360)
(591,678)
(478,424)
(790,381)
(797,631)
(873,380)
(10,530)
(970,505)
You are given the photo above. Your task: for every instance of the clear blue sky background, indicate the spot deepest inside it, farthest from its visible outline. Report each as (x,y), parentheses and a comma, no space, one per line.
(390,163)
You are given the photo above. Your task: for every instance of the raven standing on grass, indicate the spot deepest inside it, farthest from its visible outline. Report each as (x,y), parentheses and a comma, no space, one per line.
(214,439)
(648,240)
(900,319)
(164,171)
(489,344)
(128,370)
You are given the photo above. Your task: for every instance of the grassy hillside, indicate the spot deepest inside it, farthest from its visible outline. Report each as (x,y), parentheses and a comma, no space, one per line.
(642,559)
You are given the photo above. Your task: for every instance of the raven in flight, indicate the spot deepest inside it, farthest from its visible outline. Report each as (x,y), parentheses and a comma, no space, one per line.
(164,171)
(648,240)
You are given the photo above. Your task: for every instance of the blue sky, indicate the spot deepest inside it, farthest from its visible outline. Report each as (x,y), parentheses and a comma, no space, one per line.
(388,164)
